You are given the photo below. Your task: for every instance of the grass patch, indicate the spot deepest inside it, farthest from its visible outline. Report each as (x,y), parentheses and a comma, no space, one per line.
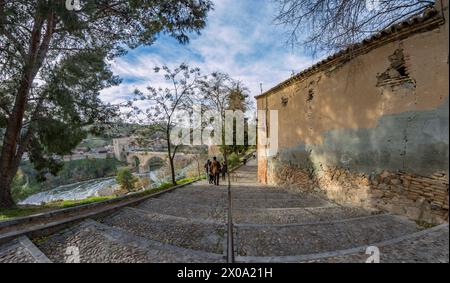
(22,211)
(72,203)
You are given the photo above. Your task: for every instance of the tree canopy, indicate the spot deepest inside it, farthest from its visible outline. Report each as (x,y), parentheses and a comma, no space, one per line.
(53,65)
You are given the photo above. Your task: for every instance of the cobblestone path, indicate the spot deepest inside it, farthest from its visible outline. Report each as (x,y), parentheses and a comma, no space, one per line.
(270,224)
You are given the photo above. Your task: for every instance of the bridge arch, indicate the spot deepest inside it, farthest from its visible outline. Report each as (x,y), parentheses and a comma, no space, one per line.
(144,160)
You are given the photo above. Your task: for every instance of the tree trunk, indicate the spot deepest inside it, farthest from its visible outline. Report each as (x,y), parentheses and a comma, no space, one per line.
(171,158)
(172,171)
(198,169)
(6,200)
(10,155)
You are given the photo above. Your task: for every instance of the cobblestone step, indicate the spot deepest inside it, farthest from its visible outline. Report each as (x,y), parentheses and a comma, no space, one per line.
(279,203)
(298,239)
(192,234)
(296,215)
(272,224)
(186,209)
(427,246)
(237,194)
(98,243)
(249,202)
(430,246)
(215,201)
(21,250)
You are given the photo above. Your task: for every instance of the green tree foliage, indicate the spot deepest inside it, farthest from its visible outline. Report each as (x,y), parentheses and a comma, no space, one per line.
(233,160)
(237,99)
(219,92)
(52,69)
(126,180)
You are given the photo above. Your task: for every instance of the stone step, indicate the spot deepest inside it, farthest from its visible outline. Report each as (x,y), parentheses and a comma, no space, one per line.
(186,209)
(308,201)
(198,199)
(187,233)
(21,250)
(254,194)
(296,215)
(299,239)
(250,202)
(98,243)
(201,188)
(427,246)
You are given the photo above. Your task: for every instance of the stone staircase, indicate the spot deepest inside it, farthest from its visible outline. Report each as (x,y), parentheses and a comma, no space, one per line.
(270,225)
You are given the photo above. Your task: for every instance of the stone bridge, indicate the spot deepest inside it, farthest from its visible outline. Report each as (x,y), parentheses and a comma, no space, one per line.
(144,160)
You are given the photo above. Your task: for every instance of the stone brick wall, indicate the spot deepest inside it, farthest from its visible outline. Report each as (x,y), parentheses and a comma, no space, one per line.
(423,198)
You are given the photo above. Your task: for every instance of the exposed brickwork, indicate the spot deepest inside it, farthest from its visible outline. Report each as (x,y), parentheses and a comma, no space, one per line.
(424,198)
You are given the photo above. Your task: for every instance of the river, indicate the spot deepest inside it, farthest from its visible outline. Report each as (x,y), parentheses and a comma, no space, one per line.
(91,188)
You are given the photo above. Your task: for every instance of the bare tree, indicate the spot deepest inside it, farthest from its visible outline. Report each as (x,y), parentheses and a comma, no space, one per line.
(331,25)
(165,103)
(215,96)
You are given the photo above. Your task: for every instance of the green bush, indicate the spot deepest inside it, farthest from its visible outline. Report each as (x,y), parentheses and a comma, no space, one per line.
(233,160)
(126,180)
(21,188)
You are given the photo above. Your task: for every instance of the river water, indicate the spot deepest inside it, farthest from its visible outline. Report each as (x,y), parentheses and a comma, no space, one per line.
(91,188)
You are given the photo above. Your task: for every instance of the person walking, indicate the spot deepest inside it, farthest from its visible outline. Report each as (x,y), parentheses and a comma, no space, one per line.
(224,171)
(215,170)
(211,176)
(208,170)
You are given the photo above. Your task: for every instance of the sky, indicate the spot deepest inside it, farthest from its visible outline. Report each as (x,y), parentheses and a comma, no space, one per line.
(240,39)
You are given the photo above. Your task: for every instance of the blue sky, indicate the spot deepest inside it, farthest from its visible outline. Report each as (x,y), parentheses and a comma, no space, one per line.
(240,39)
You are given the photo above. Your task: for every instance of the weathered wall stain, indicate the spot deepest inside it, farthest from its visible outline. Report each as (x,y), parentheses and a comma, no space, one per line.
(399,142)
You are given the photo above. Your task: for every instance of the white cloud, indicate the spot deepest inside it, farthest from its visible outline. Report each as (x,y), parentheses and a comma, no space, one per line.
(239,39)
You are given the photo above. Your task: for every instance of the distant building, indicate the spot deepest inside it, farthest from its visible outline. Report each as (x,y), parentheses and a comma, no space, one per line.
(122,146)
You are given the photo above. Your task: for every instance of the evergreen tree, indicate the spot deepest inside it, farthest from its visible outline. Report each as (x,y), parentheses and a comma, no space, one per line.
(52,68)
(126,180)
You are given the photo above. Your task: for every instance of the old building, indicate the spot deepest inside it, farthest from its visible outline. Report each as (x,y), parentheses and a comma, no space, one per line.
(369,125)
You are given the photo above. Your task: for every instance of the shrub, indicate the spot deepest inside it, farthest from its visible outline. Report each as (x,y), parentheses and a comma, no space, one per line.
(233,160)
(126,180)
